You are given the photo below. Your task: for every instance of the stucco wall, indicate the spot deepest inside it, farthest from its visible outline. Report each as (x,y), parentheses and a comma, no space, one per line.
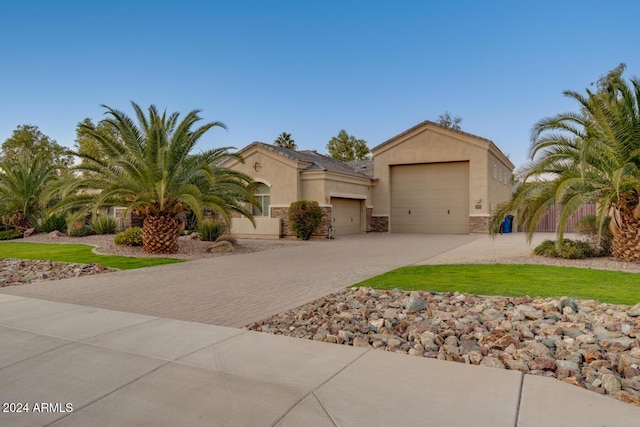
(321,185)
(500,183)
(277,172)
(430,145)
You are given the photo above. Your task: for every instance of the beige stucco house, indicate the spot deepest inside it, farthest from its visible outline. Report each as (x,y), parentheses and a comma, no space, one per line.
(428,179)
(284,176)
(432,179)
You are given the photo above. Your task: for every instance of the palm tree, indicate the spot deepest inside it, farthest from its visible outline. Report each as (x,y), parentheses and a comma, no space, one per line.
(148,167)
(590,156)
(284,140)
(26,189)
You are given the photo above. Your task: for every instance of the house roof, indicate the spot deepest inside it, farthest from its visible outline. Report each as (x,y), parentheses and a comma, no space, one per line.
(318,162)
(491,145)
(426,123)
(362,166)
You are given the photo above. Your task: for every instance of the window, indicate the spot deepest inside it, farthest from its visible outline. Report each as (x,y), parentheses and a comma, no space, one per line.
(262,194)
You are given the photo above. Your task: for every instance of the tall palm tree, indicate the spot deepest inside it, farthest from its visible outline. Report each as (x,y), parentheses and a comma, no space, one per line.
(26,189)
(590,156)
(284,140)
(148,167)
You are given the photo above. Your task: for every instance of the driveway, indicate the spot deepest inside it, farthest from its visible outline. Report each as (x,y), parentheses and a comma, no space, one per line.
(240,289)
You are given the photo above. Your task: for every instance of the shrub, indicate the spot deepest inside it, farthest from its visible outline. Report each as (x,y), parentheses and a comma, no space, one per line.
(570,249)
(104,224)
(589,228)
(10,234)
(546,248)
(53,223)
(304,218)
(210,230)
(129,237)
(83,231)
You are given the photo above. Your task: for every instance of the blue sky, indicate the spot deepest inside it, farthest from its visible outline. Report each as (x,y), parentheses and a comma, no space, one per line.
(310,68)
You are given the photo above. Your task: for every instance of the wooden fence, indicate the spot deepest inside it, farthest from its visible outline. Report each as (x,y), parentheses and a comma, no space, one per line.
(549,220)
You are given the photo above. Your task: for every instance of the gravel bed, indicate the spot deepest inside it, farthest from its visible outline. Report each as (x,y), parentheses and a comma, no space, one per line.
(189,248)
(585,343)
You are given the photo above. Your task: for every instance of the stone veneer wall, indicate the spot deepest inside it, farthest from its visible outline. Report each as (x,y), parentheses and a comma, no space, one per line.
(283,214)
(479,224)
(379,223)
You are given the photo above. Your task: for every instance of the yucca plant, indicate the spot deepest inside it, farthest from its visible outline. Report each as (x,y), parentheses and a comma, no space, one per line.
(210,230)
(53,223)
(104,224)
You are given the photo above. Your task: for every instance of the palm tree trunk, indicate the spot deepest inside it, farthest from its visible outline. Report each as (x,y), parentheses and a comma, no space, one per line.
(20,221)
(160,234)
(626,236)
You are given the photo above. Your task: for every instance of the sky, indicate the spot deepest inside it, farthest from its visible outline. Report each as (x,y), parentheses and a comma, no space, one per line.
(310,68)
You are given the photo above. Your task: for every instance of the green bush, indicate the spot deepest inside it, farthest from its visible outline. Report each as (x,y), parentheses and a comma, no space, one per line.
(81,232)
(104,224)
(210,230)
(53,223)
(10,234)
(129,237)
(570,249)
(304,218)
(589,228)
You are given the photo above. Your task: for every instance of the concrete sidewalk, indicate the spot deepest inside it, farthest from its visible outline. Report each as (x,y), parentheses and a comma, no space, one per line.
(100,367)
(140,363)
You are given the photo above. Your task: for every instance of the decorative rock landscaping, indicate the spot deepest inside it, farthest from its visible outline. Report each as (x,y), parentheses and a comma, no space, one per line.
(586,343)
(20,271)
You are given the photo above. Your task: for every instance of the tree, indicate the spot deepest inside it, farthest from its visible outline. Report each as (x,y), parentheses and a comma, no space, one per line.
(29,139)
(284,140)
(346,148)
(88,145)
(148,167)
(447,121)
(613,75)
(26,189)
(590,156)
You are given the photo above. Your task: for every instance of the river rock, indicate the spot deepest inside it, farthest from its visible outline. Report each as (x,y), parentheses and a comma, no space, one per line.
(590,348)
(415,302)
(221,247)
(634,311)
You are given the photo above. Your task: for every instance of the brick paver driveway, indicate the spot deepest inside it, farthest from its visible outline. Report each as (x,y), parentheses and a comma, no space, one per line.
(239,289)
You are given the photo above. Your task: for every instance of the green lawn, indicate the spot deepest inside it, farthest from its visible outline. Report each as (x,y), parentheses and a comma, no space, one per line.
(515,280)
(75,253)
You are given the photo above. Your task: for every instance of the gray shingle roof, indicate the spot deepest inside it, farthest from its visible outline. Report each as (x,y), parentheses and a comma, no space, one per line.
(363,166)
(317,161)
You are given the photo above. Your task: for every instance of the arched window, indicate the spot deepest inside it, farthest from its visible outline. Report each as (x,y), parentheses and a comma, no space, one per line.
(262,194)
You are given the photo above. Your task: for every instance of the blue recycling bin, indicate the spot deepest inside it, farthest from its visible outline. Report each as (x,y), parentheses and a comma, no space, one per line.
(507,224)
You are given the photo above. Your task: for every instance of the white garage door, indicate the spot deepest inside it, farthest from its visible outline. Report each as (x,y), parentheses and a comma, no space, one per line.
(430,198)
(345,215)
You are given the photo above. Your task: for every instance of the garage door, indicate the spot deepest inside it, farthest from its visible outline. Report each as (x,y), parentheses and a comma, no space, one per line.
(346,215)
(430,198)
